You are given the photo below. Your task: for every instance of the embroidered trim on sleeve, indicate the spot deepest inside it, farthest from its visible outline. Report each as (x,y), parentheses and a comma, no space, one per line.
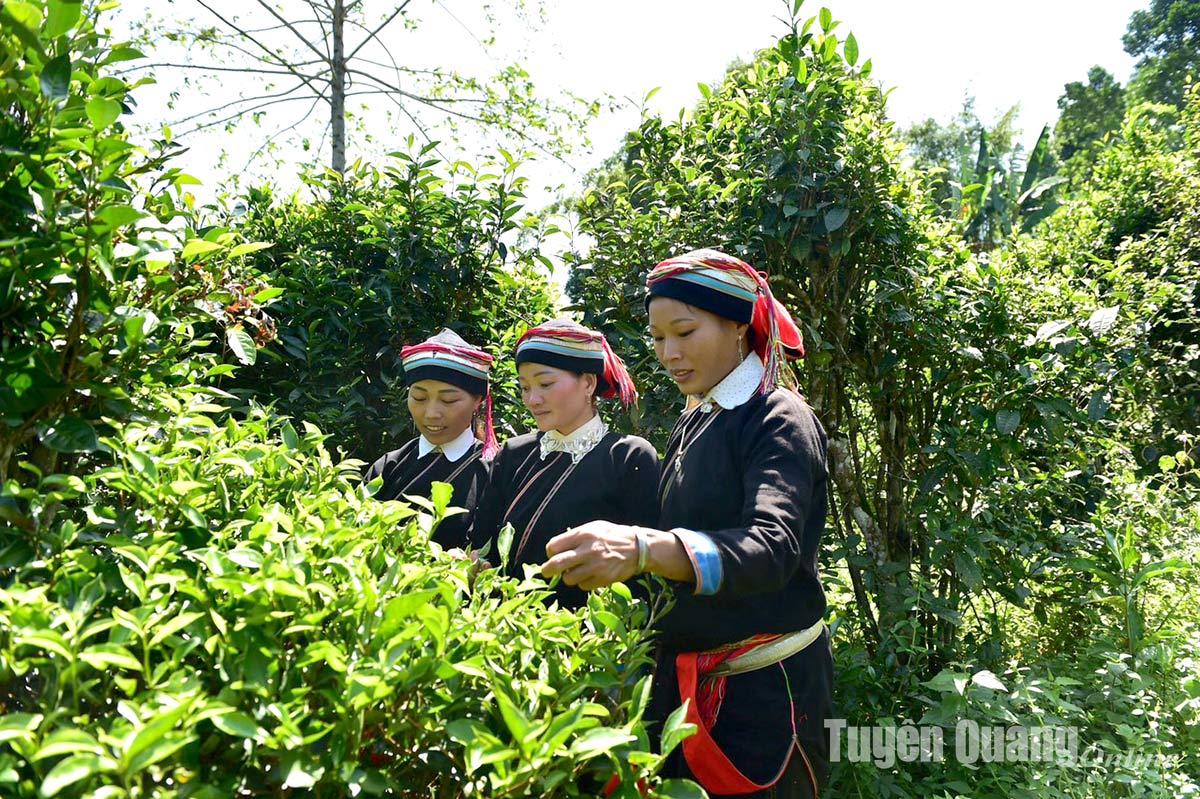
(705,558)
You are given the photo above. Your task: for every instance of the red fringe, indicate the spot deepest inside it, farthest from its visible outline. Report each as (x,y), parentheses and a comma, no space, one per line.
(620,383)
(490,445)
(710,692)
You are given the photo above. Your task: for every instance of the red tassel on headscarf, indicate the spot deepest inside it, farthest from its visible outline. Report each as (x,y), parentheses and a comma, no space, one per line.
(617,376)
(490,445)
(777,339)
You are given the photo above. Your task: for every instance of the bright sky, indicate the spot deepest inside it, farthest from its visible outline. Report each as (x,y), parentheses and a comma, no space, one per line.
(934,53)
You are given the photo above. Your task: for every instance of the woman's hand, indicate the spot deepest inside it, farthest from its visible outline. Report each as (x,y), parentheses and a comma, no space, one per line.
(601,553)
(593,555)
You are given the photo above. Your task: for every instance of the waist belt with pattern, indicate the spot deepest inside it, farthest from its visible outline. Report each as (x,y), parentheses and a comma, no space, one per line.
(702,677)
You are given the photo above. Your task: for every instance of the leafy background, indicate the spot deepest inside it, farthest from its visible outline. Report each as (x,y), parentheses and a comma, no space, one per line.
(197,598)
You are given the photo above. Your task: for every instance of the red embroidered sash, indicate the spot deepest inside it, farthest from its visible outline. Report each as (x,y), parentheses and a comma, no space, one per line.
(703,693)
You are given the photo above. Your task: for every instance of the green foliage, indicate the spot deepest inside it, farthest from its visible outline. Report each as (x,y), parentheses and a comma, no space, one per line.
(1088,113)
(1130,241)
(1167,37)
(980,176)
(1067,668)
(104,285)
(947,151)
(382,258)
(196,602)
(1127,577)
(224,611)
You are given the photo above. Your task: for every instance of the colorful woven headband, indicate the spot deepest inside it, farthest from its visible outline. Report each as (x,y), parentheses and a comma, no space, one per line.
(450,359)
(732,289)
(568,345)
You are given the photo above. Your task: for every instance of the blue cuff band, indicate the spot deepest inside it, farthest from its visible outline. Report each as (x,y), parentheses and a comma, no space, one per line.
(706,560)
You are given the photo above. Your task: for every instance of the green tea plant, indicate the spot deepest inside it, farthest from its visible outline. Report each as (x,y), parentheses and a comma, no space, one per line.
(227,612)
(200,601)
(106,289)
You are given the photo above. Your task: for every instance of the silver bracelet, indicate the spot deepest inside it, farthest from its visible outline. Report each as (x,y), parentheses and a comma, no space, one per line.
(643,547)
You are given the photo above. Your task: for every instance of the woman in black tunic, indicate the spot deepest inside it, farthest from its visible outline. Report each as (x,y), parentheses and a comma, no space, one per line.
(451,406)
(743,503)
(574,469)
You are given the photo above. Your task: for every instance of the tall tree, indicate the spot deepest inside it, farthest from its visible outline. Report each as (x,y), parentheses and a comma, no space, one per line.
(321,55)
(1087,113)
(1167,38)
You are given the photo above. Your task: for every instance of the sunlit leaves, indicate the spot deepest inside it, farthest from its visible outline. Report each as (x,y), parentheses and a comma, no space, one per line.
(241,345)
(91,225)
(244,551)
(1102,320)
(61,16)
(27,15)
(56,77)
(102,112)
(198,247)
(71,770)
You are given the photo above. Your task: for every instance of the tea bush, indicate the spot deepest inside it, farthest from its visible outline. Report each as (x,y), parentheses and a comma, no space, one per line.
(107,288)
(1106,646)
(226,612)
(196,598)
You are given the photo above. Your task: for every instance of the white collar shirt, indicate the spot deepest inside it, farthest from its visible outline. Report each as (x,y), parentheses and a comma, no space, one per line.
(453,450)
(578,442)
(735,389)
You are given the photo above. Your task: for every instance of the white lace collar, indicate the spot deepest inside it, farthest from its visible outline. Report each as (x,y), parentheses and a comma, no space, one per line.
(578,442)
(453,450)
(735,389)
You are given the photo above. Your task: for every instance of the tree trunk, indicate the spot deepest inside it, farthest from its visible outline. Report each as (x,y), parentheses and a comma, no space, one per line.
(895,600)
(337,93)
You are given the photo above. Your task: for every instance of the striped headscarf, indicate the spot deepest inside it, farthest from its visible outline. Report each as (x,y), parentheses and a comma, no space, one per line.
(450,359)
(569,345)
(732,289)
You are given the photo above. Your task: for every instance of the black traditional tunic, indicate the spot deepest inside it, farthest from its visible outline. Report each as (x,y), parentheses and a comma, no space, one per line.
(404,471)
(752,479)
(615,481)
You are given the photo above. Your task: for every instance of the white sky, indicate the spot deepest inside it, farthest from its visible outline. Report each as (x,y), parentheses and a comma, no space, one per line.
(932,52)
